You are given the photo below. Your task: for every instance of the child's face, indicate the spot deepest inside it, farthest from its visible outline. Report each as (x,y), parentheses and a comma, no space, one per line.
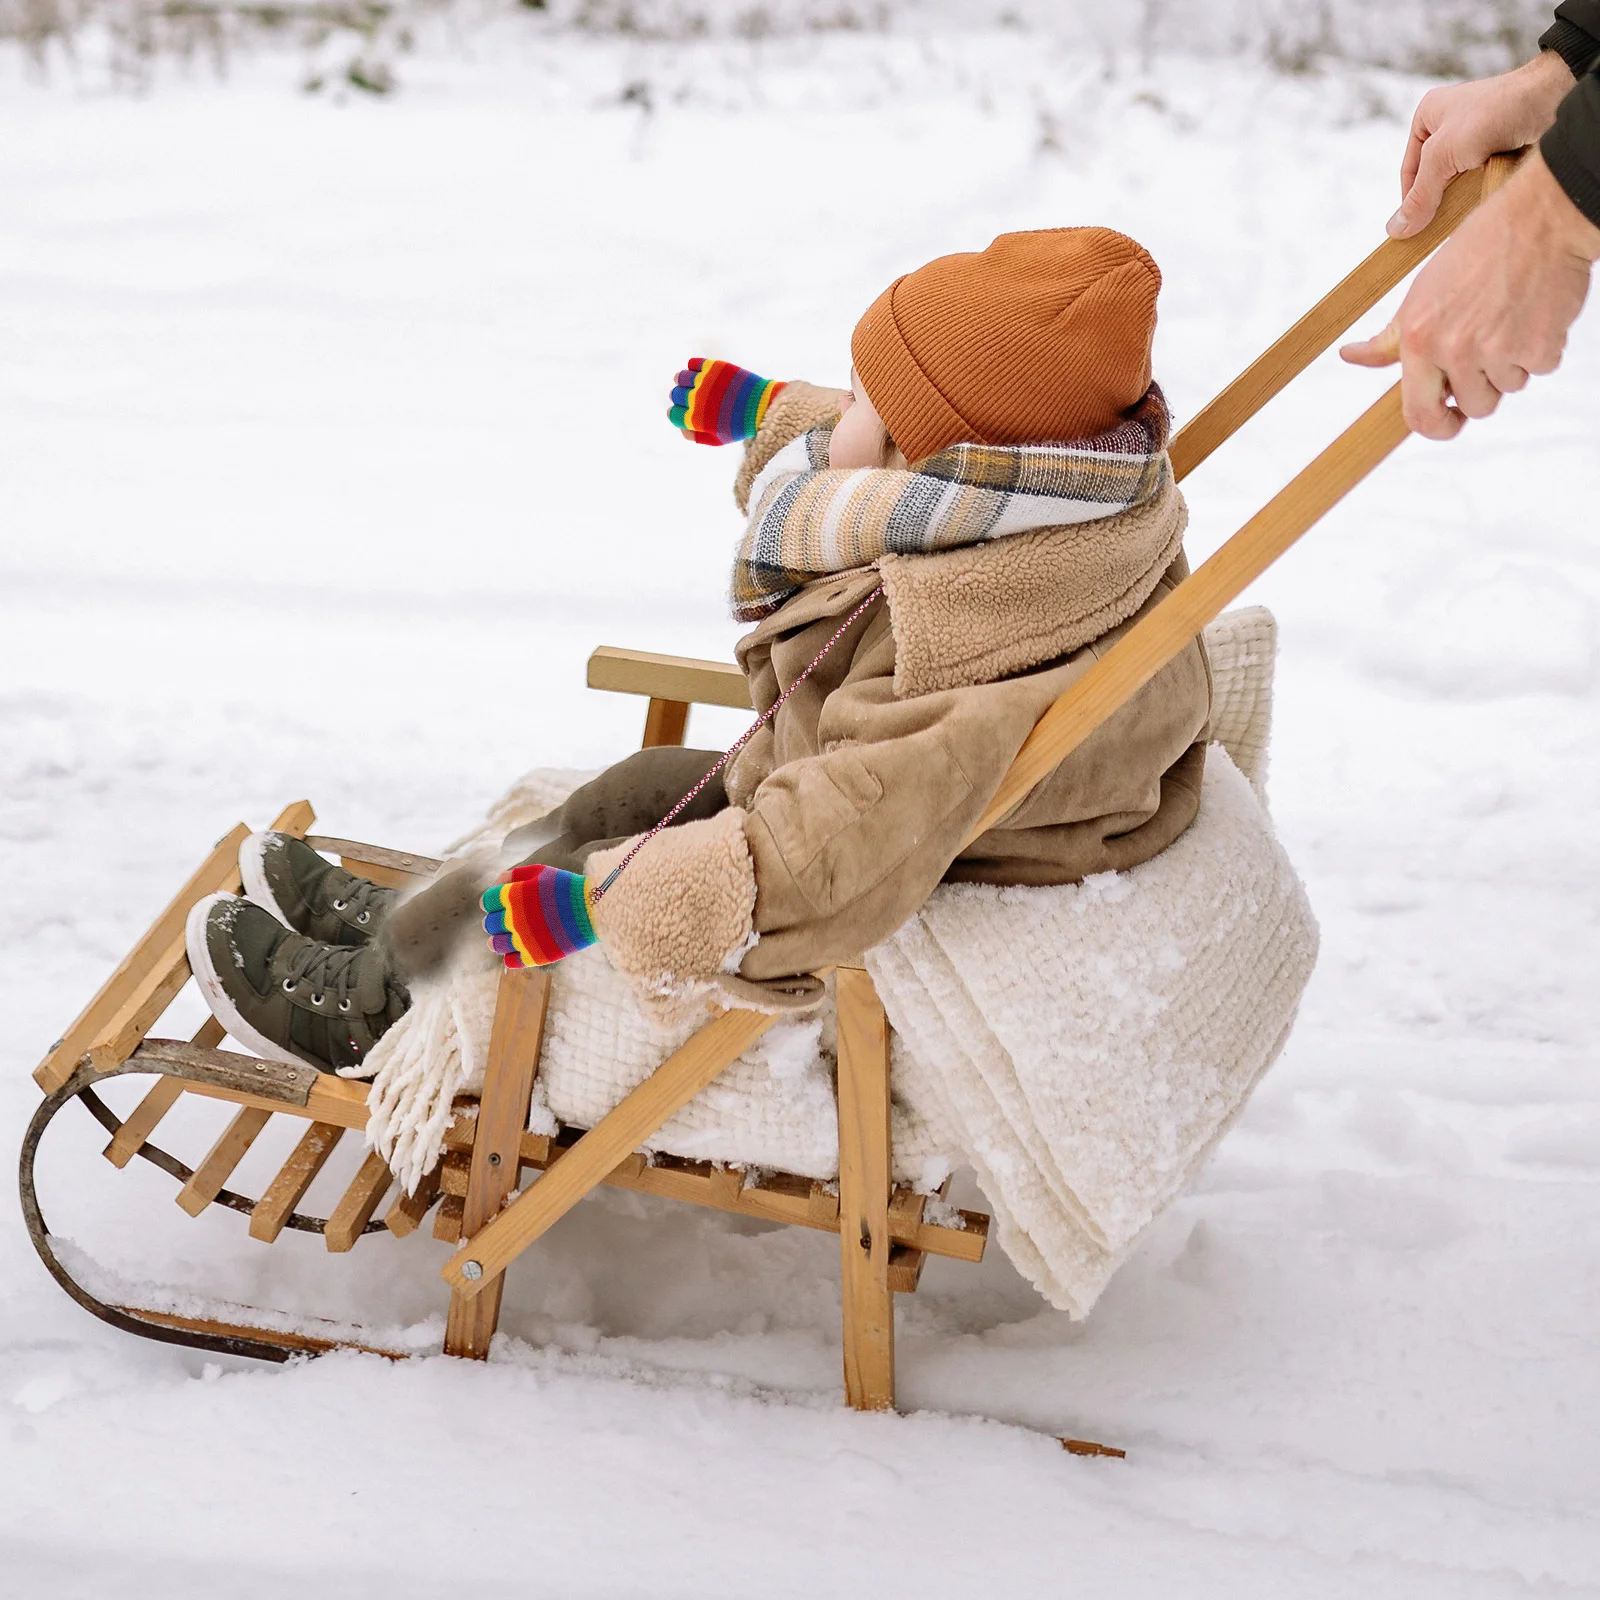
(860,438)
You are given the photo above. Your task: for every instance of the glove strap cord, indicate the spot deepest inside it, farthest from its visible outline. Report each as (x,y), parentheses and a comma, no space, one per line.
(749,733)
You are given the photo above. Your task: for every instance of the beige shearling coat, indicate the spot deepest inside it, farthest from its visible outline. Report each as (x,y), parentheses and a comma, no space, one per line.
(853,803)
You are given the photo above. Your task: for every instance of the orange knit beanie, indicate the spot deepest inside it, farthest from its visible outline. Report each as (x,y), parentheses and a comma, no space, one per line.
(1043,336)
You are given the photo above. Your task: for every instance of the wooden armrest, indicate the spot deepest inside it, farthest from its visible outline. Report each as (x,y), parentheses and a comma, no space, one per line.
(681,678)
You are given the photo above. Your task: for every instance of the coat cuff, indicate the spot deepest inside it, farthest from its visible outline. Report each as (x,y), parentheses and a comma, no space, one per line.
(683,912)
(1575,46)
(1571,148)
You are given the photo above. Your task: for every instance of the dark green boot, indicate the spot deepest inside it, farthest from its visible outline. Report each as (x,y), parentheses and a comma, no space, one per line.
(308,893)
(289,997)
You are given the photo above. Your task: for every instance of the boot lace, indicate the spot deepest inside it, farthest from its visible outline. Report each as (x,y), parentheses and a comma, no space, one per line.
(363,897)
(327,968)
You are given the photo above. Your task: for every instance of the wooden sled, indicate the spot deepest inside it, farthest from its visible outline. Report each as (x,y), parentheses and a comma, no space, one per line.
(885,1235)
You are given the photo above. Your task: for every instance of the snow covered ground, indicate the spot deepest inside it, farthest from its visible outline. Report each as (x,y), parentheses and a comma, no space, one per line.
(333,441)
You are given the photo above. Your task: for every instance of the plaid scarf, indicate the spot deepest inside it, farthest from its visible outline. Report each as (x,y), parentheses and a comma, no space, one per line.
(808,521)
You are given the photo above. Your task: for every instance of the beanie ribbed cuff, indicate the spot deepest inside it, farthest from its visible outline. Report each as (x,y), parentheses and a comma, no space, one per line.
(919,419)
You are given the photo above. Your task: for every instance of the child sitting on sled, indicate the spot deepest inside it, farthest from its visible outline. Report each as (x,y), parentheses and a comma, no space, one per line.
(931,557)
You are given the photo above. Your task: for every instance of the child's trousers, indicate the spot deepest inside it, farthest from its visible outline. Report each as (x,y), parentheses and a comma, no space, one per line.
(626,799)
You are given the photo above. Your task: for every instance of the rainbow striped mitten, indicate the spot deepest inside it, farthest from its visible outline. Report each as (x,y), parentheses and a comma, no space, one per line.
(540,917)
(716,402)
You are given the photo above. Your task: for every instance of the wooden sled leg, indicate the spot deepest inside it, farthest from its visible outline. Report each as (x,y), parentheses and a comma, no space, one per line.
(665,722)
(472,1269)
(865,1180)
(514,1045)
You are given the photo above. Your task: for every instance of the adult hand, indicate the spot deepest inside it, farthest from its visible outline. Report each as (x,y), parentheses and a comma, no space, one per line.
(1457,129)
(1491,307)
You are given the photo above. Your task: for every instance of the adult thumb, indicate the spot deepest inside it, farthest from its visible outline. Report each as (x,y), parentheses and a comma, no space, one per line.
(1436,168)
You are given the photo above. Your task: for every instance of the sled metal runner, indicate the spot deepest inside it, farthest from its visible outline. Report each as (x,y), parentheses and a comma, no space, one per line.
(885,1235)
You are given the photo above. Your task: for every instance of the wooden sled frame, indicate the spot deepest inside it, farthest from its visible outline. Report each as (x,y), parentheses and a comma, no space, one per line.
(884,1234)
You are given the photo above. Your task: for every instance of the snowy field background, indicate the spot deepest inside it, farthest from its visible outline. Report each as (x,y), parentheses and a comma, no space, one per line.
(333,442)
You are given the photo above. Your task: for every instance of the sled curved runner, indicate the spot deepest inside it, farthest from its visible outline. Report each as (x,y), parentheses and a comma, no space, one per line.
(883,1235)
(486,1149)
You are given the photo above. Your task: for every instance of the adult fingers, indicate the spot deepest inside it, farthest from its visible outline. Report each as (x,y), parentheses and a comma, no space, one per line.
(1435,168)
(1506,376)
(1423,396)
(1381,350)
(1475,395)
(1413,156)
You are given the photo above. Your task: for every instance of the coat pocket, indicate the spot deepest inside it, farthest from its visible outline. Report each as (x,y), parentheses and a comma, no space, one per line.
(842,834)
(828,796)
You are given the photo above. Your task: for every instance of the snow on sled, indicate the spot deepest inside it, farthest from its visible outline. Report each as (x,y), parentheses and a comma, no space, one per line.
(886,1204)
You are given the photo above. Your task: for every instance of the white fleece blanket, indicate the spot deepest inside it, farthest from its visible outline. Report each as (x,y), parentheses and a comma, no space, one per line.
(1081,1047)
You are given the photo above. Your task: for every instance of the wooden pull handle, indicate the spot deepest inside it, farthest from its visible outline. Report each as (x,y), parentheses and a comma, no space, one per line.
(1151,643)
(1331,316)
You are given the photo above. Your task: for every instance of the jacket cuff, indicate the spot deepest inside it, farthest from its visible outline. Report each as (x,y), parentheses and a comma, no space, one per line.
(799,408)
(682,914)
(1571,148)
(1577,47)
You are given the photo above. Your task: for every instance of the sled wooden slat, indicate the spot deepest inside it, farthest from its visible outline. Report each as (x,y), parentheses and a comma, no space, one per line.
(905,1262)
(905,1268)
(454,1171)
(673,1085)
(447,1219)
(159,1099)
(683,678)
(223,1157)
(724,1185)
(522,1002)
(1152,642)
(295,1176)
(143,1120)
(864,1184)
(822,1206)
(458,1138)
(405,1215)
(354,1210)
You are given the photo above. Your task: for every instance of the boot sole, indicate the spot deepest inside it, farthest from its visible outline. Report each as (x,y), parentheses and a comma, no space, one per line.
(216,997)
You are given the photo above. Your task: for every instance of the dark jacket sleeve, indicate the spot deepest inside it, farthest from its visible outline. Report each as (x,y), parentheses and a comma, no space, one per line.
(1575,34)
(1571,149)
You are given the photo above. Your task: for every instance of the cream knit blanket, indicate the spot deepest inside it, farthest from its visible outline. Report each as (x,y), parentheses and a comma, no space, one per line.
(1081,1047)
